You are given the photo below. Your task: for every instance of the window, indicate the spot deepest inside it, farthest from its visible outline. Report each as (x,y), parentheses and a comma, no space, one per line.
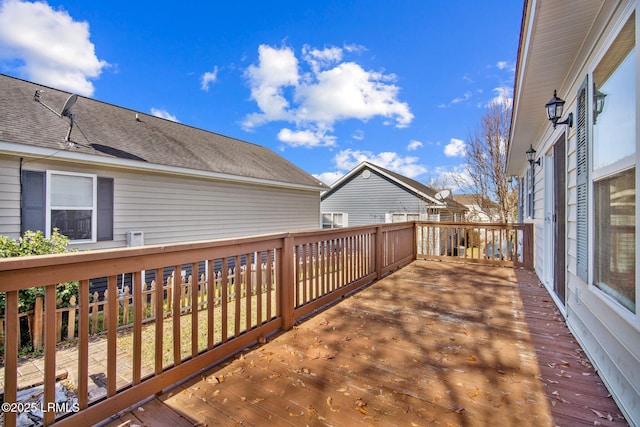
(72,205)
(334,220)
(402,217)
(79,205)
(530,191)
(613,169)
(615,237)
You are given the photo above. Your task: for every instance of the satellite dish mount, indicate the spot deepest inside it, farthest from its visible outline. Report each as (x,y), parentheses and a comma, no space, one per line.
(65,112)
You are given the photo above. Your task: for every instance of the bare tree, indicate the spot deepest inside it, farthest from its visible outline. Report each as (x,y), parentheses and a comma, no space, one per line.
(486,153)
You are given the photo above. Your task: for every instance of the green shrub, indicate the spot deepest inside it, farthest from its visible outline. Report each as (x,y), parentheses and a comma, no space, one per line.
(35,243)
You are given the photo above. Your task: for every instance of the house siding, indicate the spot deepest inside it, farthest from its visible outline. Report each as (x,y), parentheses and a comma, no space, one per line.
(171,209)
(9,197)
(367,200)
(608,333)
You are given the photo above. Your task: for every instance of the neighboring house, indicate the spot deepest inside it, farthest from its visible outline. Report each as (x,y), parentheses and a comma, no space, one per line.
(580,187)
(479,209)
(369,194)
(120,177)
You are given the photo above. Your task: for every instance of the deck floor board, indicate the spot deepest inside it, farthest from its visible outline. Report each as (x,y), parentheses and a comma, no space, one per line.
(432,343)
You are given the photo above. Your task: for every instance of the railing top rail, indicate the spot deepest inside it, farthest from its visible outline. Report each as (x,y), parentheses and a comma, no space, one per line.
(508,225)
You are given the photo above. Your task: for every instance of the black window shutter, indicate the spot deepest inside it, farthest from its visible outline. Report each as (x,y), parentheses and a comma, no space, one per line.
(582,186)
(105,208)
(33,201)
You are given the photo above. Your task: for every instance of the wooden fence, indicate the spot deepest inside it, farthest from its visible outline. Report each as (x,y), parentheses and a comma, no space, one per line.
(292,274)
(67,317)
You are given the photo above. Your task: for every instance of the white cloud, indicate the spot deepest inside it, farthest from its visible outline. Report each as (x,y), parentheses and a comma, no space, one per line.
(208,78)
(358,135)
(347,159)
(504,95)
(457,178)
(319,59)
(455,148)
(329,177)
(414,145)
(329,91)
(51,47)
(277,69)
(504,65)
(305,138)
(163,114)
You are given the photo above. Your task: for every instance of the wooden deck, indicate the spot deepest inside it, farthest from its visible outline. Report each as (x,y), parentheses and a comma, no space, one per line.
(433,343)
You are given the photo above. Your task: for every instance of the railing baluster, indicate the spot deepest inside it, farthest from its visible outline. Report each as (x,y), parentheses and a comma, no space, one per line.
(259,288)
(225,298)
(248,285)
(11,343)
(112,307)
(211,295)
(195,293)
(137,327)
(159,320)
(177,312)
(237,278)
(83,345)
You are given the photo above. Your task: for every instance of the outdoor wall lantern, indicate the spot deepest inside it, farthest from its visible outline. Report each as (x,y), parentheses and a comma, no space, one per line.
(531,155)
(598,103)
(554,111)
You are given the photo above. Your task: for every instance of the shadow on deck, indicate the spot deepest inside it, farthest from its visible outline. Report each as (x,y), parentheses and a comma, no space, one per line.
(432,343)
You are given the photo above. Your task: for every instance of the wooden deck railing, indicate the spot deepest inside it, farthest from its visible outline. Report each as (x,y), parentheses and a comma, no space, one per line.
(280,278)
(486,243)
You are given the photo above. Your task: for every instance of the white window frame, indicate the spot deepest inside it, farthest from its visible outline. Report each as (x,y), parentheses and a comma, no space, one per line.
(622,164)
(345,220)
(94,208)
(389,216)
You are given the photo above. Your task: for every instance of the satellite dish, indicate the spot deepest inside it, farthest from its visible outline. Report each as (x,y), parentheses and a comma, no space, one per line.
(65,112)
(68,104)
(441,195)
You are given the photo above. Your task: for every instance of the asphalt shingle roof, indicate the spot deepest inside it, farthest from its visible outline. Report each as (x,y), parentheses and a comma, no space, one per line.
(108,130)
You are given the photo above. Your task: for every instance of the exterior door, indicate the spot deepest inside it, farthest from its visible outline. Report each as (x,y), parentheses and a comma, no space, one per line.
(554,220)
(559,233)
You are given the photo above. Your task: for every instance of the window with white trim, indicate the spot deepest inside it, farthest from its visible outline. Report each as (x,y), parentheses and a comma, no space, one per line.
(334,220)
(72,205)
(402,217)
(613,169)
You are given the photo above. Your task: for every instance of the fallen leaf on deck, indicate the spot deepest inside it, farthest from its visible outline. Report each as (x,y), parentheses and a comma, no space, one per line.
(361,406)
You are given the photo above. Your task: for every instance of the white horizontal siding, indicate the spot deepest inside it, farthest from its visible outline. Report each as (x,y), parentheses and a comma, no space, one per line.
(10,197)
(176,209)
(171,209)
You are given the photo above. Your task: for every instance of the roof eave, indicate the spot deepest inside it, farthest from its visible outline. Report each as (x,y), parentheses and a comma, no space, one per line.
(551,48)
(21,150)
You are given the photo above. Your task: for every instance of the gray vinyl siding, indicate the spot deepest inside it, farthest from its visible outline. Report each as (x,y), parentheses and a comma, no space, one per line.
(9,197)
(368,200)
(171,209)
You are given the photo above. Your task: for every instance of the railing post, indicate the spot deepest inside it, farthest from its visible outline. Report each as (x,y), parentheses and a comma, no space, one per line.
(378,254)
(287,284)
(527,246)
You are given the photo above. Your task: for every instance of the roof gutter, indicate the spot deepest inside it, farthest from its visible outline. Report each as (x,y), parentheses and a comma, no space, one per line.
(21,150)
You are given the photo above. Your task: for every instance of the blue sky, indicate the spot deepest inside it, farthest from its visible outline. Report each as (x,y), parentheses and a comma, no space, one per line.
(326,84)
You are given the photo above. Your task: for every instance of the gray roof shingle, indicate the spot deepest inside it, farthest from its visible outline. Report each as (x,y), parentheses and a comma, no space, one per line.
(103,129)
